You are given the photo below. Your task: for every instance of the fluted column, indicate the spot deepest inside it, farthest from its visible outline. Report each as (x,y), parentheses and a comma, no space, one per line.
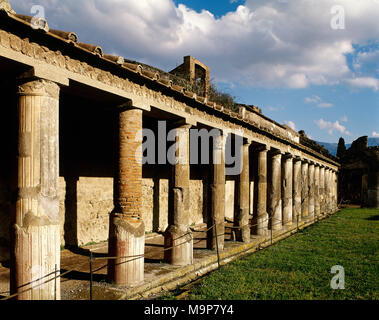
(322,190)
(178,235)
(275,206)
(287,185)
(317,190)
(241,220)
(35,226)
(296,189)
(217,195)
(311,187)
(304,190)
(126,227)
(261,220)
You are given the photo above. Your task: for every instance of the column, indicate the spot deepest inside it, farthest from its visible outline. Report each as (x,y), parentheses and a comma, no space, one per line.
(322,190)
(241,219)
(217,195)
(311,188)
(296,190)
(287,189)
(262,215)
(178,234)
(126,227)
(275,206)
(304,189)
(327,191)
(36,226)
(317,190)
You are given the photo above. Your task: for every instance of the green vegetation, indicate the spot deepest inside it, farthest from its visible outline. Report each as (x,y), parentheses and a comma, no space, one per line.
(300,266)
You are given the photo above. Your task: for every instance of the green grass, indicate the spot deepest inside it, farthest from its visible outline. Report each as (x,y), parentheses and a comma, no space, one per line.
(300,266)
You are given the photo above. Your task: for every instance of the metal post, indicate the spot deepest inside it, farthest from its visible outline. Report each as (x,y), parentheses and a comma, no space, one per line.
(90,270)
(218,254)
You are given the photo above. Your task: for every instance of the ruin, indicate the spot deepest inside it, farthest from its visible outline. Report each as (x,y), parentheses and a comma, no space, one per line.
(71,170)
(359,174)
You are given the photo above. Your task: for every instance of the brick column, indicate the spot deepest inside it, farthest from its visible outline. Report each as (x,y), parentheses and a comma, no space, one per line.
(322,190)
(241,218)
(317,190)
(275,206)
(296,190)
(36,226)
(217,195)
(311,188)
(261,220)
(304,189)
(126,228)
(178,235)
(287,184)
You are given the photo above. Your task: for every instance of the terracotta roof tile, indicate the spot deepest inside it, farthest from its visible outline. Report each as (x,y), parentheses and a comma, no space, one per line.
(70,36)
(91,48)
(116,59)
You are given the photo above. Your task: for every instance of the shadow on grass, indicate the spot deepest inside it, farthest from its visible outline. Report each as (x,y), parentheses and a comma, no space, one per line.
(373,218)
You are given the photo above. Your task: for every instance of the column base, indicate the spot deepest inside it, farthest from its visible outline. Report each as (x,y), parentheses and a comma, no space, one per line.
(260,225)
(126,239)
(181,243)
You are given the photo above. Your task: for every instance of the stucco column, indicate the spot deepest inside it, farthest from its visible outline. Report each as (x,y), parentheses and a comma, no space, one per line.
(178,234)
(296,214)
(126,228)
(317,190)
(241,219)
(335,203)
(275,206)
(287,185)
(311,188)
(304,189)
(35,227)
(217,195)
(262,215)
(322,190)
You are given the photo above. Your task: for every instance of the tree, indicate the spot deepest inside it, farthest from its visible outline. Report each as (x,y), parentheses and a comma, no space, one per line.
(341,150)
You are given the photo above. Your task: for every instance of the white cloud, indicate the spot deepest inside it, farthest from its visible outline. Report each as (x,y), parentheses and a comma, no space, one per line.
(364,82)
(325,105)
(314,99)
(332,126)
(375,134)
(267,43)
(291,124)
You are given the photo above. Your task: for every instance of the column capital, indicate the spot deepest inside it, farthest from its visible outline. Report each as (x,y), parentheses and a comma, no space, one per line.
(263,148)
(297,158)
(288,156)
(39,87)
(276,152)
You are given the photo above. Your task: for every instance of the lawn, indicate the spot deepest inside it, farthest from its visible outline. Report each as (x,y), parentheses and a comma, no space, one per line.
(299,267)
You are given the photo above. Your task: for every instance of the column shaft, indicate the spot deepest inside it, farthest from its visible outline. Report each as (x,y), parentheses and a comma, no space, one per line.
(296,190)
(317,190)
(36,227)
(287,190)
(178,235)
(126,228)
(243,190)
(304,190)
(276,192)
(311,187)
(262,215)
(322,190)
(217,196)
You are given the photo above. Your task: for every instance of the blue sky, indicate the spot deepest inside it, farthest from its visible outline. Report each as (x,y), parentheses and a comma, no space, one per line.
(287,57)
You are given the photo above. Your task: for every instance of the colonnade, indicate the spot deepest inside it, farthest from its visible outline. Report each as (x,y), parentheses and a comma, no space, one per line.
(290,188)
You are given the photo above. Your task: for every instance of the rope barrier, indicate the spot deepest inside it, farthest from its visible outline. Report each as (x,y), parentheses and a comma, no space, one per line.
(143,255)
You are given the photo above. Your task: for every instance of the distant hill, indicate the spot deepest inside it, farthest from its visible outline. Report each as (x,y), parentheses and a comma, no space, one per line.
(332,147)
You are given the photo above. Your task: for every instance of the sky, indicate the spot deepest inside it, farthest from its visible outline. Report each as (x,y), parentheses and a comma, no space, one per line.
(310,64)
